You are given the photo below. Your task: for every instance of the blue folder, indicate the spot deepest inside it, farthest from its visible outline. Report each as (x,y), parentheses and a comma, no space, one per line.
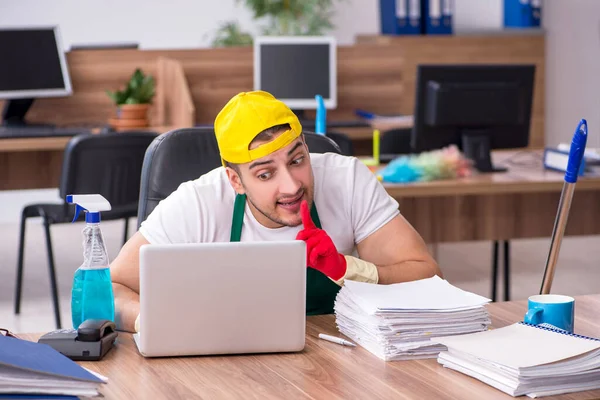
(536,13)
(37,357)
(415,21)
(437,16)
(400,17)
(43,359)
(38,397)
(517,14)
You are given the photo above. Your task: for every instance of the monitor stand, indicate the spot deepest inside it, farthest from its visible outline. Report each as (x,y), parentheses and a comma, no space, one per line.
(14,112)
(301,114)
(476,146)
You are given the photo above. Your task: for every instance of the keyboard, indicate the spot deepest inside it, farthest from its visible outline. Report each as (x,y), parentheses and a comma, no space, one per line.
(15,132)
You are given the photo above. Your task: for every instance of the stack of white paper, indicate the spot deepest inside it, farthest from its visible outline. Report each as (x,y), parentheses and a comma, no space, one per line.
(396,322)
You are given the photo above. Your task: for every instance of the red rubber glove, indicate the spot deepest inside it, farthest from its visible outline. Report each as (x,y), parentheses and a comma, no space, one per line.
(321,253)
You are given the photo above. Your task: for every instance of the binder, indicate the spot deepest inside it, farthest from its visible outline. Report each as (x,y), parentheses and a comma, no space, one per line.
(400,17)
(414,26)
(34,368)
(38,397)
(389,18)
(517,14)
(536,13)
(447,12)
(557,160)
(437,16)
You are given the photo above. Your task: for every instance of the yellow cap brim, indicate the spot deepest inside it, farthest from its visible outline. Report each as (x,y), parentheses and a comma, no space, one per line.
(236,156)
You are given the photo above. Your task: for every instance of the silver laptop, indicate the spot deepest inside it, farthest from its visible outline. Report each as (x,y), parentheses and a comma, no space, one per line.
(222,298)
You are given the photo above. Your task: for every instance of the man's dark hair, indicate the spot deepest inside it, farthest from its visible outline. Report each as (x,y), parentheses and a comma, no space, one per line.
(264,136)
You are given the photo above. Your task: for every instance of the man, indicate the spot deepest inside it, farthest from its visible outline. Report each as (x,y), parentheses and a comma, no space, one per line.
(271,188)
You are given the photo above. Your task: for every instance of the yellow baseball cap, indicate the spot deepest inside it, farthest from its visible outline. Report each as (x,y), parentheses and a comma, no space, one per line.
(245,116)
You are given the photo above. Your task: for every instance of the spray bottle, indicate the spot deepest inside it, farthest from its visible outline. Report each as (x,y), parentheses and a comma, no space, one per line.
(92,295)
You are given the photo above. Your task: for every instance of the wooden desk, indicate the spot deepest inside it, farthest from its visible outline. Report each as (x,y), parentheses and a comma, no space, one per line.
(323,370)
(35,163)
(520,203)
(32,163)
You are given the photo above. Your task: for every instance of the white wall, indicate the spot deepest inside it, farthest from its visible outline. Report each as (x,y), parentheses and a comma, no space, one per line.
(154,24)
(157,24)
(572,69)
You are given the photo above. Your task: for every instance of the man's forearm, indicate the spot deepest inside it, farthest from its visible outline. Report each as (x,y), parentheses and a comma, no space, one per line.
(127,307)
(407,271)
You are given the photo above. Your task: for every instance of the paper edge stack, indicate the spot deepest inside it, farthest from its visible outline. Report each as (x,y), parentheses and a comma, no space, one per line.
(425,348)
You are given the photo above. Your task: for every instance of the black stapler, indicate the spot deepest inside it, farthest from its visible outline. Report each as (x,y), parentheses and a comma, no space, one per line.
(90,342)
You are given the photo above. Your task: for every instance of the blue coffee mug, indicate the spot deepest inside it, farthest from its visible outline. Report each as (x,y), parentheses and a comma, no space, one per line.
(553,309)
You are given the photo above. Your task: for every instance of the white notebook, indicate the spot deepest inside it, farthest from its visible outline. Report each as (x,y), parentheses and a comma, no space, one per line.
(520,345)
(525,359)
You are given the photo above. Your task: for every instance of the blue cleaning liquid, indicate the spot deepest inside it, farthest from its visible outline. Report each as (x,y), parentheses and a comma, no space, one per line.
(92,296)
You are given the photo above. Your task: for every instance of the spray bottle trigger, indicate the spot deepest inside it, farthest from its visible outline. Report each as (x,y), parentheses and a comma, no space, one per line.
(78,210)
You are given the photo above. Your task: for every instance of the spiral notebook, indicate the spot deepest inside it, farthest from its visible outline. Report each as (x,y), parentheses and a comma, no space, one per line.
(526,359)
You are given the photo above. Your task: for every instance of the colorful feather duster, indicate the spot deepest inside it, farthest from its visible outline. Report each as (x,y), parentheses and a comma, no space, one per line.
(446,163)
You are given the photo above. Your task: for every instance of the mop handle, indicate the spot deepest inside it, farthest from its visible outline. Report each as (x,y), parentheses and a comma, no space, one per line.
(573,165)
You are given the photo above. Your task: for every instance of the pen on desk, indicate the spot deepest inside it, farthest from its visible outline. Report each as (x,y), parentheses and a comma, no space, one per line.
(336,340)
(364,114)
(575,156)
(376,146)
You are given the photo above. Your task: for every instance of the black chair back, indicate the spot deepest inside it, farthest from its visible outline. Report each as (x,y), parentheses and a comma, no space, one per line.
(321,144)
(175,157)
(186,154)
(109,164)
(343,141)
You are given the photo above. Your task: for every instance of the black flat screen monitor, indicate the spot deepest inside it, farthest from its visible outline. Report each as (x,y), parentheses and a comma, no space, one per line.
(32,65)
(476,107)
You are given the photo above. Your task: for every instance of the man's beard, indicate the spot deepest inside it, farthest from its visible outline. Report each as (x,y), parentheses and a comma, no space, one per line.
(273,216)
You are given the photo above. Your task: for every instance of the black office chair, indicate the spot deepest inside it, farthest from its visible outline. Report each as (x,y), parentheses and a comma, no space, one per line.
(321,144)
(343,141)
(185,154)
(109,164)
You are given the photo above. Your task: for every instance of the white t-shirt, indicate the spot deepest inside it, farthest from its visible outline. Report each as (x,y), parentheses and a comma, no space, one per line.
(350,201)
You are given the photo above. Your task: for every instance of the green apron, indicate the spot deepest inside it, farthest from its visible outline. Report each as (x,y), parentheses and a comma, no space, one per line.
(320,290)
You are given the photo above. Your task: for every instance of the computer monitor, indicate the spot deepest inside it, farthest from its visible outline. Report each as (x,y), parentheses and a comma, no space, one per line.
(476,107)
(32,65)
(295,69)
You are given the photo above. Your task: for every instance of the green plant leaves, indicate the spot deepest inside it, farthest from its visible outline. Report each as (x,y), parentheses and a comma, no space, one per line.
(230,34)
(139,90)
(280,18)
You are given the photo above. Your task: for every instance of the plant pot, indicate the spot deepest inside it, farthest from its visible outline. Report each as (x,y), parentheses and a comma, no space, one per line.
(133,111)
(130,116)
(128,123)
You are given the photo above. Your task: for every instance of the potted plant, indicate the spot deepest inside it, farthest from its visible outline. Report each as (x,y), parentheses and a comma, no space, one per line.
(133,101)
(279,18)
